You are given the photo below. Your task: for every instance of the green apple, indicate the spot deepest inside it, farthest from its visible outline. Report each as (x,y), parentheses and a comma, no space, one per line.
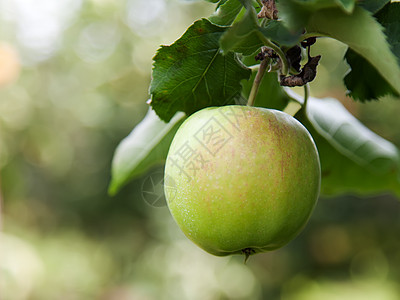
(241,180)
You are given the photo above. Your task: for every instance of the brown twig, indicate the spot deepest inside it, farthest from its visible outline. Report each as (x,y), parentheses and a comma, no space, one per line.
(268,10)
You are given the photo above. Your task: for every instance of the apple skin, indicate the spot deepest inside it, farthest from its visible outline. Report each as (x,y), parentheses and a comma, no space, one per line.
(241,180)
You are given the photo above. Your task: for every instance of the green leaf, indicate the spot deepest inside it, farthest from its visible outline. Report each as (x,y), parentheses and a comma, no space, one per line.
(361,32)
(226,13)
(278,33)
(350,137)
(353,158)
(270,93)
(364,82)
(341,175)
(221,2)
(389,18)
(296,13)
(192,73)
(146,146)
(248,4)
(242,37)
(373,6)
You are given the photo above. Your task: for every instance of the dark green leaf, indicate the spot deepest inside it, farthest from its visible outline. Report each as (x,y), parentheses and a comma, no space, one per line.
(389,17)
(222,2)
(226,13)
(364,82)
(270,93)
(353,158)
(278,33)
(296,13)
(361,32)
(192,73)
(242,37)
(146,146)
(248,45)
(373,5)
(247,3)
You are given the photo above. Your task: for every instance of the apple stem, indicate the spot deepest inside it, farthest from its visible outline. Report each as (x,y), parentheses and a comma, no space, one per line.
(257,81)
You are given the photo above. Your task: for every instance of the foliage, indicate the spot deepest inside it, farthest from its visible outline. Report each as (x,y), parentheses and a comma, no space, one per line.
(192,73)
(77,94)
(144,147)
(206,67)
(363,34)
(353,158)
(364,82)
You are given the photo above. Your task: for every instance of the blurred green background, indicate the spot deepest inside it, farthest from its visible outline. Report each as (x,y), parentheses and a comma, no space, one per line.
(74,78)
